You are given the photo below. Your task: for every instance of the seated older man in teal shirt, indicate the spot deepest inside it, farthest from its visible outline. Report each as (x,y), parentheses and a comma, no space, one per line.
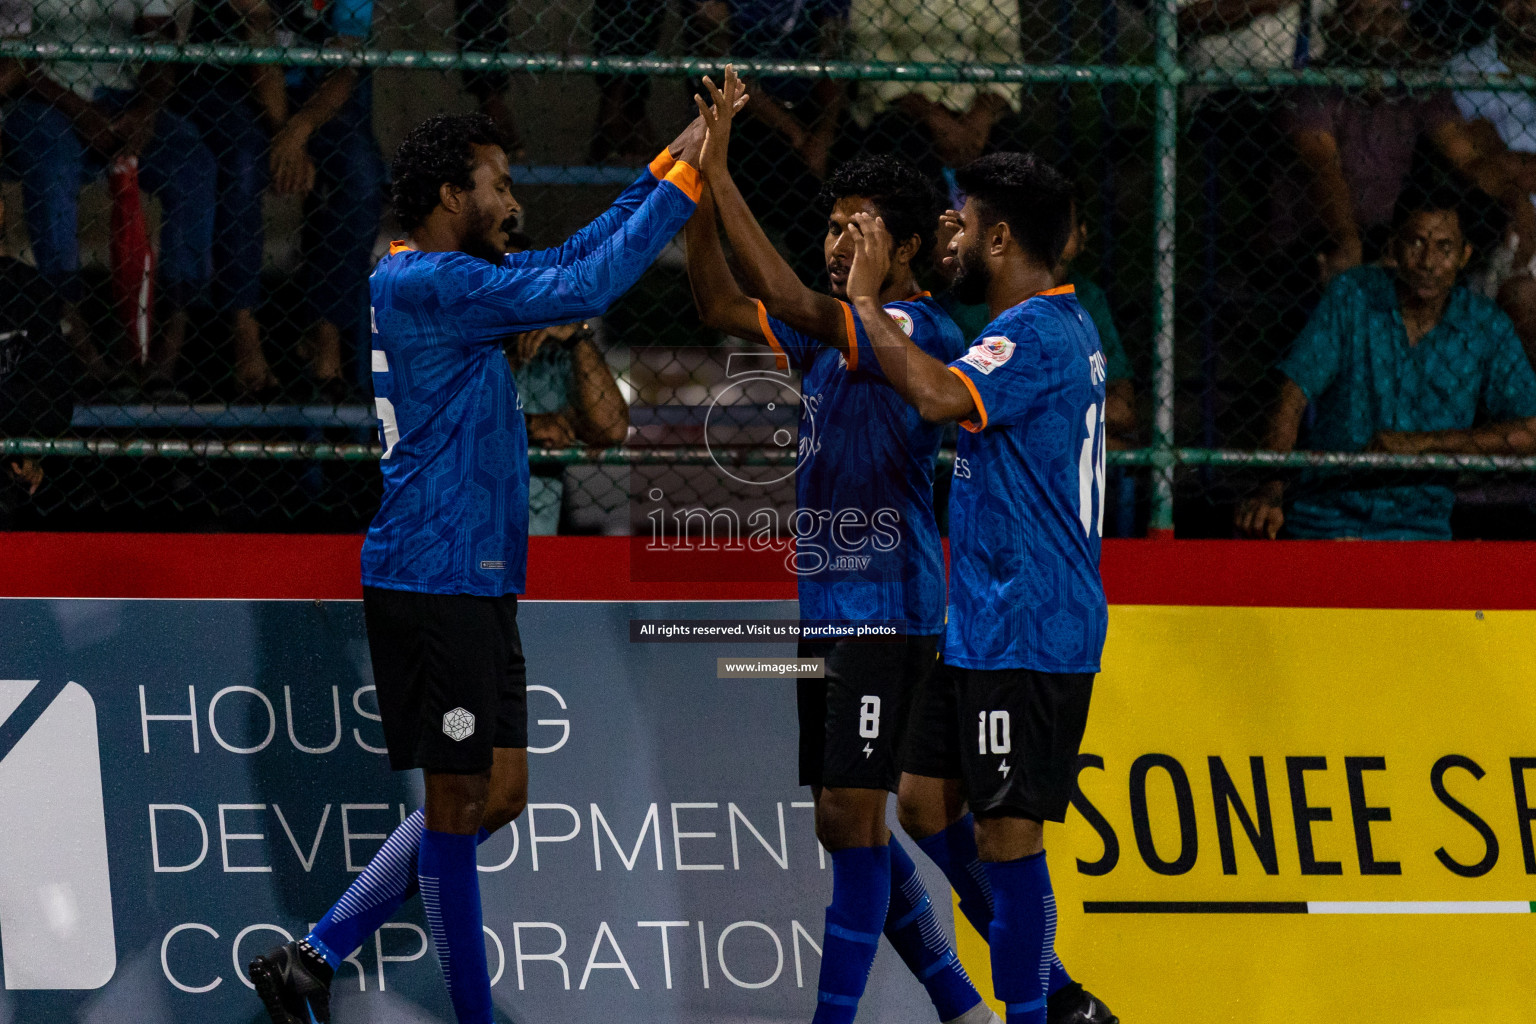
(1397,358)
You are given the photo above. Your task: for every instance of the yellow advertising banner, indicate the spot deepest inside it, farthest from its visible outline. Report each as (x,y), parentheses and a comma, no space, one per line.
(1304,816)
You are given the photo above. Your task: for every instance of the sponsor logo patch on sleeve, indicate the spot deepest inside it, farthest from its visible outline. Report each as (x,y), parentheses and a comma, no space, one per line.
(903,319)
(989,353)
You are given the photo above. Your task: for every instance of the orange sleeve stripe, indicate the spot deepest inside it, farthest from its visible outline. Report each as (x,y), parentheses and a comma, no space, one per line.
(853,337)
(970,386)
(686,178)
(780,359)
(662,164)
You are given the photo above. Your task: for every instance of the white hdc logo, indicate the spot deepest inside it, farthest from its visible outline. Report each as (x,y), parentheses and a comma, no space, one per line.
(459,724)
(55,888)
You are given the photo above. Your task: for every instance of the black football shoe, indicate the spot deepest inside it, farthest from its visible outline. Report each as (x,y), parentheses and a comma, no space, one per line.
(294,983)
(1072,1004)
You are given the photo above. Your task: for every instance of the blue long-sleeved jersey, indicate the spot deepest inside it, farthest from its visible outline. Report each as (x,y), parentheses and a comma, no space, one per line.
(454,515)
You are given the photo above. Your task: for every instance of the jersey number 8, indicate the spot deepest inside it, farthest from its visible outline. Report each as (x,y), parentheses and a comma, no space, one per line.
(869,718)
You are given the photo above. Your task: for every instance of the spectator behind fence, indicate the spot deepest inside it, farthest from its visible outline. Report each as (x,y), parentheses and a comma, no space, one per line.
(781,146)
(73,119)
(568,395)
(1356,147)
(304,132)
(1256,35)
(1402,360)
(1120,396)
(1504,124)
(625,28)
(936,124)
(481,27)
(34,401)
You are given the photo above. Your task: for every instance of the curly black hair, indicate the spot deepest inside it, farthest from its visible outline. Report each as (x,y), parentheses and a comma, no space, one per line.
(1029,195)
(905,198)
(440,150)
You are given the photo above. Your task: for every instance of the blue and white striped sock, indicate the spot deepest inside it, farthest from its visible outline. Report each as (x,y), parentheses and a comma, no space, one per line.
(450,895)
(861,892)
(1023,936)
(374,896)
(917,936)
(954,851)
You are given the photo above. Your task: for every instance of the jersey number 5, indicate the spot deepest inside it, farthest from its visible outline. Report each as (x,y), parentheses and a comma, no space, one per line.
(1090,473)
(389,428)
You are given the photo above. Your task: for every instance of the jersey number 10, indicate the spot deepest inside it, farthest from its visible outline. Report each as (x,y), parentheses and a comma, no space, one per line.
(1090,474)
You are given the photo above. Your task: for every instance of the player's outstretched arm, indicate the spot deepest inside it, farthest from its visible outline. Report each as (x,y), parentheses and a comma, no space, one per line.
(765,273)
(719,299)
(506,298)
(581,244)
(938,395)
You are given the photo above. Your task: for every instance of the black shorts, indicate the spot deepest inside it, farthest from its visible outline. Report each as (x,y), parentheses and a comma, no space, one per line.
(1011,735)
(450,676)
(853,723)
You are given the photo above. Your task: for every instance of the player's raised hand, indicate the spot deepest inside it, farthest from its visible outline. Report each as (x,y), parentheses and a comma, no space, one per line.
(693,135)
(871,257)
(717,116)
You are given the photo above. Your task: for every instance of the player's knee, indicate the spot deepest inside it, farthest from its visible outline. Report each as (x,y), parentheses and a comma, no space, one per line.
(1007,837)
(847,818)
(919,818)
(456,803)
(927,806)
(504,807)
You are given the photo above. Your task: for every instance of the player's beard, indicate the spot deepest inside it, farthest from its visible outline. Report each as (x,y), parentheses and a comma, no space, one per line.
(482,242)
(972,277)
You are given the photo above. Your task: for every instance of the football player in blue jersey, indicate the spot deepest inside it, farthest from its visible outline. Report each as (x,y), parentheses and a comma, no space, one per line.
(867,549)
(999,724)
(445,557)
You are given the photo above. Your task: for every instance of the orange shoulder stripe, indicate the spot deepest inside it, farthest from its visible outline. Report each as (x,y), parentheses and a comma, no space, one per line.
(852,334)
(970,386)
(781,360)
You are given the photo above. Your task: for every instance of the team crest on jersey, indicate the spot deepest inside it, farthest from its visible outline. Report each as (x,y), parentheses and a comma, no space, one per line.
(903,319)
(989,353)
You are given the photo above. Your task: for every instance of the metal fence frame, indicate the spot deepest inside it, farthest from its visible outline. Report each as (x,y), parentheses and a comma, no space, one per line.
(1165,76)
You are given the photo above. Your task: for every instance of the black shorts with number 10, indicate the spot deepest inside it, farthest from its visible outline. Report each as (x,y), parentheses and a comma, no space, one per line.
(853,723)
(1010,735)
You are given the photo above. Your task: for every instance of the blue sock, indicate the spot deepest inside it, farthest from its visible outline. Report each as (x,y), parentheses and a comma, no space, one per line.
(1023,936)
(450,894)
(861,891)
(954,851)
(914,931)
(374,896)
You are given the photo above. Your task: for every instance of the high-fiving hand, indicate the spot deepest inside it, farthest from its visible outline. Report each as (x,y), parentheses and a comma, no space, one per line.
(717,118)
(692,137)
(871,257)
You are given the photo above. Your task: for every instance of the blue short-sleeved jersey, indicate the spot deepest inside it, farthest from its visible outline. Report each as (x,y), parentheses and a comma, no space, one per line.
(867,476)
(1361,376)
(1027,505)
(454,515)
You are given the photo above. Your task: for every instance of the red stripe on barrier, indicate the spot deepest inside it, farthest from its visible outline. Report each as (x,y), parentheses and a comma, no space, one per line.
(324,567)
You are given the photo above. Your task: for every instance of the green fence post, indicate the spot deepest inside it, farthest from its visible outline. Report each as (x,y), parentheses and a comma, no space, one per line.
(1164,170)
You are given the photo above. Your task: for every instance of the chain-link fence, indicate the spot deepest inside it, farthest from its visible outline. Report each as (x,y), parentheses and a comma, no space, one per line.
(1306,228)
